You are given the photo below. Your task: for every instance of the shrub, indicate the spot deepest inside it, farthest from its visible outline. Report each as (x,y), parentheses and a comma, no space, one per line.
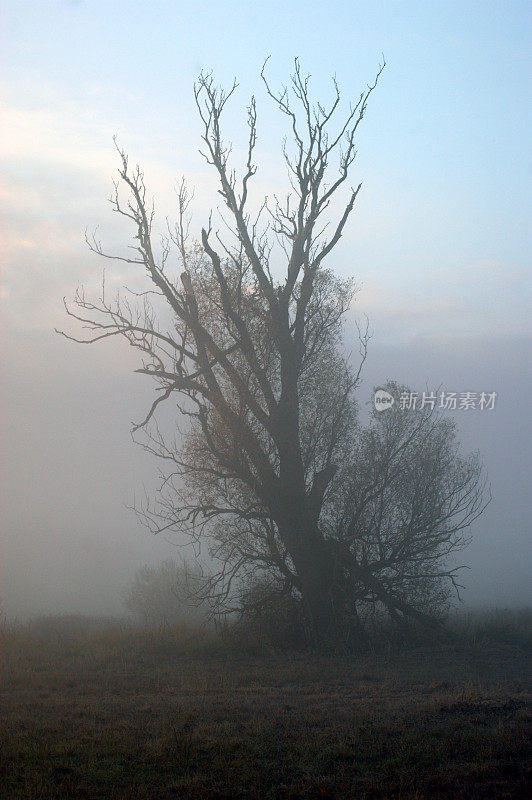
(166,595)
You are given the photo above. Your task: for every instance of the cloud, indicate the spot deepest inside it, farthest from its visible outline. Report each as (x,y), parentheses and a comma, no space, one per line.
(461,302)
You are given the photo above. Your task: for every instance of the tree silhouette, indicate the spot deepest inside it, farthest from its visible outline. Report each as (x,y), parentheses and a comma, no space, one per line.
(252,360)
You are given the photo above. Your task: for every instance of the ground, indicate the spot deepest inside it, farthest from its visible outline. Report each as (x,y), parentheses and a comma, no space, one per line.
(121,714)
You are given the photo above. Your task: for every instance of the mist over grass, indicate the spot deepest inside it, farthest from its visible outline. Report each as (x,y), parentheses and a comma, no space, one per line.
(92,635)
(101,708)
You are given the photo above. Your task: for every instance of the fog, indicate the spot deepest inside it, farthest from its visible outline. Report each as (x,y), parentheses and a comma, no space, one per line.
(438,243)
(70,470)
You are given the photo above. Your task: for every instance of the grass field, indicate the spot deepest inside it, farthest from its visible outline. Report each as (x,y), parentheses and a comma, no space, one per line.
(116,713)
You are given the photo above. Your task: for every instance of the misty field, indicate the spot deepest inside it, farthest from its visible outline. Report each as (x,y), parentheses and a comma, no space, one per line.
(103,711)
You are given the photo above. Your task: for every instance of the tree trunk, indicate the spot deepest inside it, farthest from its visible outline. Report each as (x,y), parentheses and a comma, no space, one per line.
(321,595)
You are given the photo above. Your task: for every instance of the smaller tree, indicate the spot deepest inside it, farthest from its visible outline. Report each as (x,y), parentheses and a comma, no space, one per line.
(165,594)
(409,497)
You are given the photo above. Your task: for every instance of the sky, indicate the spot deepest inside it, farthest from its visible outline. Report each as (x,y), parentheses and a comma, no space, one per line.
(439,244)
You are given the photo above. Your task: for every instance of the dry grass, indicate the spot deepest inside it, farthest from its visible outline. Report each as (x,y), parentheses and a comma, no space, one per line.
(117,713)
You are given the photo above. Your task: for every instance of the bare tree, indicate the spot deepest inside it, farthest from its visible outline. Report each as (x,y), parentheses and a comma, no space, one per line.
(251,357)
